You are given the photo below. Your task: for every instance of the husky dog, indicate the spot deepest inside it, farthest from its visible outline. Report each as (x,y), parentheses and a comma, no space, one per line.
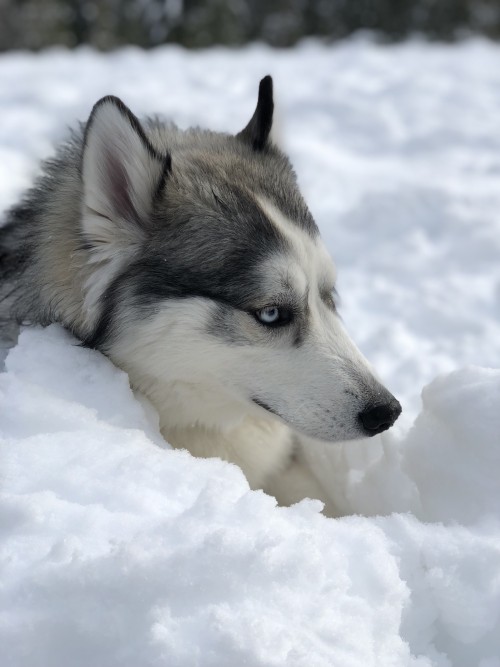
(191,260)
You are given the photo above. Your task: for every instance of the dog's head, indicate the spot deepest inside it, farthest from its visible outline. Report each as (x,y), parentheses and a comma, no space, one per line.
(209,281)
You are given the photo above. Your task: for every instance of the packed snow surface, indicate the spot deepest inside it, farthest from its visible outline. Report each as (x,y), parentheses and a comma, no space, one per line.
(116,550)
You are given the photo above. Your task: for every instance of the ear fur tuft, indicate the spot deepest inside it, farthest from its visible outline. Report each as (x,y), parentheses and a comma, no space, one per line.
(256,133)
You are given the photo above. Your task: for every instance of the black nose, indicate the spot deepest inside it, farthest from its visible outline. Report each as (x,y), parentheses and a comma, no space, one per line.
(378,418)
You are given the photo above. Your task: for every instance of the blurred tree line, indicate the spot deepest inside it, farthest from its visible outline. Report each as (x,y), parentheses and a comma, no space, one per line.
(107,24)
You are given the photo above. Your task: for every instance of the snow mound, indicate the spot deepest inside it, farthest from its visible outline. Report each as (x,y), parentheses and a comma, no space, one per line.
(445,469)
(453,451)
(117,551)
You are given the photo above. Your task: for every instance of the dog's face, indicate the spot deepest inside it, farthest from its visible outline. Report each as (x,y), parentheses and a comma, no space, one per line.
(210,283)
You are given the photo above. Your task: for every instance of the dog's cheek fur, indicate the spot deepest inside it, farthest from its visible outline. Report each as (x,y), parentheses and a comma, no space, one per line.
(171,357)
(199,369)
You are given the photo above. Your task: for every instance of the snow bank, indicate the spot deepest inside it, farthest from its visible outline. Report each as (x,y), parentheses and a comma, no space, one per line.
(453,451)
(446,469)
(116,550)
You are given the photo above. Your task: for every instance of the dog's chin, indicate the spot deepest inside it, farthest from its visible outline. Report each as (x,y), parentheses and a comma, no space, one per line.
(312,434)
(333,439)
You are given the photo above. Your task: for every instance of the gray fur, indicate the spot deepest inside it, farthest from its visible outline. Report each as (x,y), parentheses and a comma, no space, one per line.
(204,217)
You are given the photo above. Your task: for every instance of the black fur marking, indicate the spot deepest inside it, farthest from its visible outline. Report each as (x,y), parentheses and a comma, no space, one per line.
(264,406)
(299,337)
(109,302)
(256,133)
(302,321)
(165,173)
(201,254)
(132,119)
(196,241)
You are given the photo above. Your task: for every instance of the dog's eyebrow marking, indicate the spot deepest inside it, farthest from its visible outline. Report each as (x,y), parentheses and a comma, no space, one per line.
(311,254)
(290,229)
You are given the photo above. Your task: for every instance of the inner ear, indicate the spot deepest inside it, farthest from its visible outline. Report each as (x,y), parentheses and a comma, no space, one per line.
(121,171)
(257,132)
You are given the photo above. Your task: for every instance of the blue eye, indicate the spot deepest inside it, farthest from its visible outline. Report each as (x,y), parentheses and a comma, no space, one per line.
(273,316)
(269,315)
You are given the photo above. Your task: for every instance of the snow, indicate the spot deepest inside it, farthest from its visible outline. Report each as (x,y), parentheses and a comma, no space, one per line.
(116,550)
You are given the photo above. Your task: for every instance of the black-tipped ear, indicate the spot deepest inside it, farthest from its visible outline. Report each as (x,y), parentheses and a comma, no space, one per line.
(121,173)
(256,133)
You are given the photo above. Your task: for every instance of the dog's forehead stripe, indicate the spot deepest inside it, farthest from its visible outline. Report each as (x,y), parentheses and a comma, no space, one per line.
(309,260)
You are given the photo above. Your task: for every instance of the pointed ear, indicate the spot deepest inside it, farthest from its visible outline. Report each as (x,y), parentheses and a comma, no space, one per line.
(122,173)
(256,133)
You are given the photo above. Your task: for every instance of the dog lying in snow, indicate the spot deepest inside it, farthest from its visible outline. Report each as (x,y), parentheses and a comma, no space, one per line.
(191,260)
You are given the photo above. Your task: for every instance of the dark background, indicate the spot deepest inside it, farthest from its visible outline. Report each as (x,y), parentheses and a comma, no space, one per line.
(107,24)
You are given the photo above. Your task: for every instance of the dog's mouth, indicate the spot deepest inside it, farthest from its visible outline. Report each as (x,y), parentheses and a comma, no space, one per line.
(264,406)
